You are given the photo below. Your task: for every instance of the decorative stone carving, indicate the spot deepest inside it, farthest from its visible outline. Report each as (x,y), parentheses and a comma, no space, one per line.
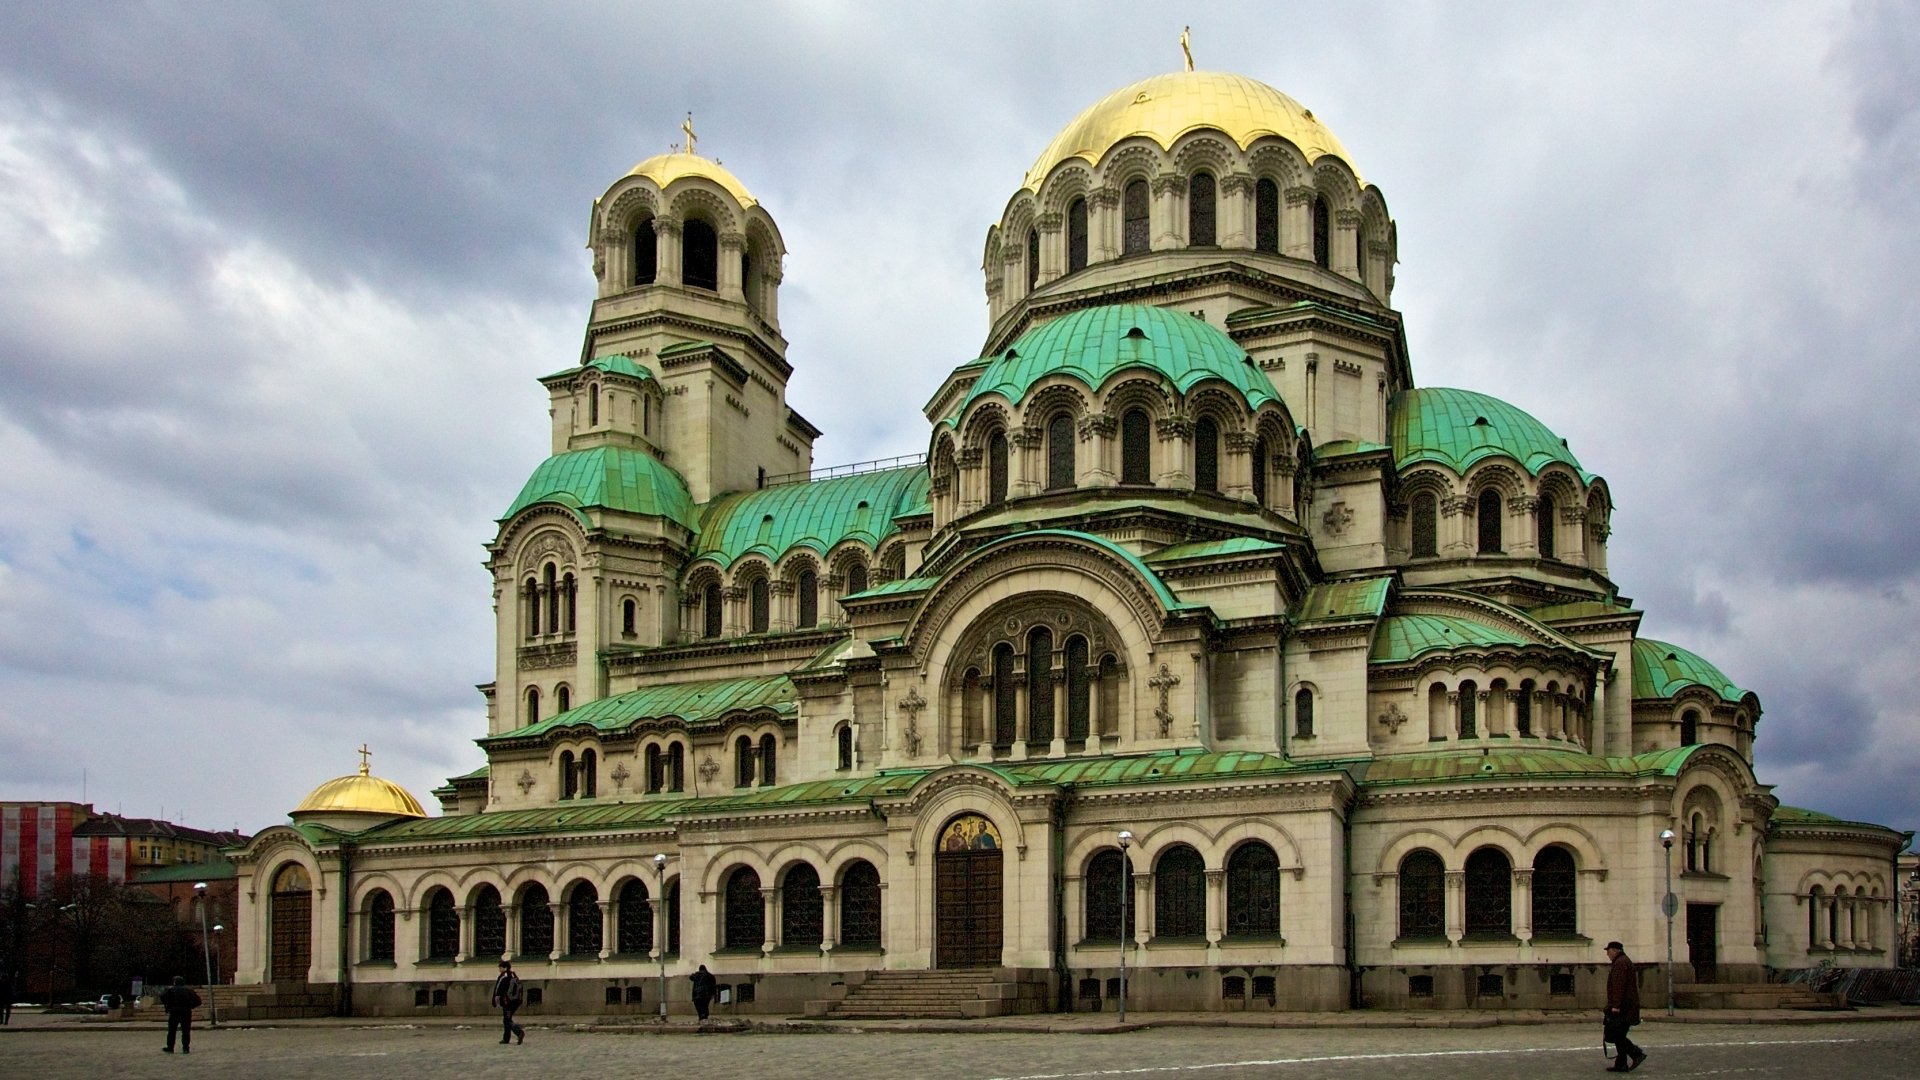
(1392,718)
(1337,518)
(911,706)
(709,768)
(526,781)
(620,776)
(1164,681)
(1099,423)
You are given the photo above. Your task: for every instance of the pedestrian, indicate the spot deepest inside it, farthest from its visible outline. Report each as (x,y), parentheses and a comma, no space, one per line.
(1623,1009)
(703,990)
(179,1000)
(506,994)
(6,997)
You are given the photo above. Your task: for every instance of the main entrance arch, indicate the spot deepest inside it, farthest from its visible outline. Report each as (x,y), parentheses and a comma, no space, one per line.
(967,894)
(292,925)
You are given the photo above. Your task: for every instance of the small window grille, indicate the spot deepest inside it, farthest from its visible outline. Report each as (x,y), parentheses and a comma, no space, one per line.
(489,924)
(1200,210)
(1263,988)
(1179,894)
(1090,990)
(860,906)
(1040,687)
(535,995)
(636,919)
(635,995)
(439,995)
(1426,526)
(1419,986)
(536,923)
(1233,988)
(1489,512)
(1560,983)
(802,919)
(743,993)
(613,995)
(1136,219)
(745,917)
(422,997)
(1492,985)
(1489,894)
(1206,455)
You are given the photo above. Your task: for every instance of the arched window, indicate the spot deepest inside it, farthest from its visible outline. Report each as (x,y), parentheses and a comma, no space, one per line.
(593,406)
(1816,902)
(676,767)
(646,253)
(699,256)
(710,610)
(536,922)
(656,769)
(1200,216)
(1266,216)
(532,592)
(758,606)
(1689,728)
(1079,690)
(860,906)
(589,774)
(1206,455)
(1426,526)
(743,762)
(584,932)
(1040,687)
(570,592)
(1360,254)
(1261,463)
(1136,447)
(443,926)
(1555,886)
(553,600)
(1060,471)
(1180,894)
(533,705)
(745,922)
(1109,694)
(1136,219)
(562,699)
(1253,891)
(1543,524)
(1423,901)
(843,746)
(1076,235)
(769,751)
(635,927)
(1523,709)
(1487,512)
(1107,896)
(802,913)
(1696,835)
(807,589)
(1489,894)
(1303,713)
(1033,258)
(1004,695)
(996,468)
(569,775)
(489,923)
(856,577)
(1322,233)
(973,730)
(380,925)
(629,617)
(1469,710)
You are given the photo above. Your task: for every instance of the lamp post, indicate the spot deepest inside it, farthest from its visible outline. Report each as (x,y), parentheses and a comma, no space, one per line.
(1126,865)
(1671,905)
(206,943)
(213,1004)
(660,946)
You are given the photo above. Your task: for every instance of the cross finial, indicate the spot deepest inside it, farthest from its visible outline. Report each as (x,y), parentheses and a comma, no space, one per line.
(364,755)
(688,128)
(1186,45)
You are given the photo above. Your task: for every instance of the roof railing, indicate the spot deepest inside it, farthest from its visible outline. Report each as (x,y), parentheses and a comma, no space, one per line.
(830,472)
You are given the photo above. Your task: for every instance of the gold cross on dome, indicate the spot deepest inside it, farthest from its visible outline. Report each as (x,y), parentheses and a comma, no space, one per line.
(688,128)
(1186,45)
(364,755)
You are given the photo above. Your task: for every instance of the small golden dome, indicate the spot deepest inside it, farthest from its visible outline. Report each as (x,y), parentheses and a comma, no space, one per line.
(664,169)
(361,793)
(1166,107)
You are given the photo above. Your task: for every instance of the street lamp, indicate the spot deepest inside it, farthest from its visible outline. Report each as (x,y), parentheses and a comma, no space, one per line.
(1671,905)
(206,947)
(660,945)
(213,1004)
(1126,865)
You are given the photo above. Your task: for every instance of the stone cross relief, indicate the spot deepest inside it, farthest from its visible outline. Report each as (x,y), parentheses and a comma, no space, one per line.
(1337,518)
(525,782)
(1164,682)
(620,775)
(709,769)
(911,706)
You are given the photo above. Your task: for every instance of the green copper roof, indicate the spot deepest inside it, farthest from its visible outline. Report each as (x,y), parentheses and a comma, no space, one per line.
(816,515)
(1787,813)
(1167,599)
(1209,549)
(212,870)
(1343,447)
(1580,609)
(895,588)
(1661,670)
(690,702)
(1527,762)
(617,364)
(1404,637)
(1162,768)
(1458,428)
(1093,344)
(1361,599)
(608,478)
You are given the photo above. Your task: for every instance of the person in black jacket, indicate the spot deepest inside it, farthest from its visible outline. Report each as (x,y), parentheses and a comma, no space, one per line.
(703,987)
(506,994)
(1623,1009)
(179,1000)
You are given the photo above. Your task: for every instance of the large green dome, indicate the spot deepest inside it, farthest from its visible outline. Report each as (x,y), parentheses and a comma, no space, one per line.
(1094,344)
(608,478)
(1459,428)
(1661,670)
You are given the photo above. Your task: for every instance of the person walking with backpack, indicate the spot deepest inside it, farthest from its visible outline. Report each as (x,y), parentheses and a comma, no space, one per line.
(1623,1009)
(506,994)
(179,1000)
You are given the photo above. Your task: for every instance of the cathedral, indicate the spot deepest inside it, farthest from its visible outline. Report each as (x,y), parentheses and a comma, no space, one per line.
(1201,647)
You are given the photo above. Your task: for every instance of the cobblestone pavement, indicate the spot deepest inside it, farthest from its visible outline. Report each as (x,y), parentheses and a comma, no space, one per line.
(1867,1050)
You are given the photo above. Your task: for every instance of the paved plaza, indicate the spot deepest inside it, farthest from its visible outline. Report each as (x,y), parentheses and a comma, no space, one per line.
(1852,1049)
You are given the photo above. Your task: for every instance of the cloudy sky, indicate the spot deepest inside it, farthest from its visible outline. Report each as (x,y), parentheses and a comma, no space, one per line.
(276,280)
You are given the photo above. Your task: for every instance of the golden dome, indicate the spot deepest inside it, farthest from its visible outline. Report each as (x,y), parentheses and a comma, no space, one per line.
(361,793)
(1166,107)
(664,169)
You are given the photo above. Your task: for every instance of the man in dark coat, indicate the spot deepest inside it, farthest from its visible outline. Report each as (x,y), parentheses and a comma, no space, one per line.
(1623,1009)
(179,1000)
(506,994)
(703,986)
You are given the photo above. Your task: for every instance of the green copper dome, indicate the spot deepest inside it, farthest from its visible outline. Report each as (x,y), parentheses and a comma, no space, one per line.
(1661,670)
(1094,344)
(1459,428)
(608,478)
(816,515)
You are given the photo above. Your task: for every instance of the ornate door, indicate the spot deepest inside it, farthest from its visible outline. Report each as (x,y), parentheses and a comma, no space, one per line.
(291,923)
(1703,940)
(967,894)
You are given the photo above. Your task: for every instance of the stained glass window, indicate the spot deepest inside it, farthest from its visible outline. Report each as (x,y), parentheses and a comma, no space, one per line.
(1523,709)
(1488,512)
(1303,712)
(1136,228)
(584,931)
(656,769)
(856,577)
(1108,896)
(1266,216)
(589,774)
(808,590)
(996,469)
(860,906)
(758,606)
(380,926)
(1077,235)
(1033,258)
(1180,894)
(1060,452)
(569,776)
(443,926)
(843,740)
(1200,210)
(1136,447)
(1689,728)
(769,752)
(676,767)
(802,918)
(743,762)
(1469,715)
(636,918)
(536,922)
(489,923)
(1004,695)
(1543,523)
(629,617)
(1489,893)
(1206,455)
(710,605)
(1426,526)
(1423,902)
(1554,892)
(1260,465)
(1040,686)
(1322,233)
(1253,891)
(746,923)
(1079,689)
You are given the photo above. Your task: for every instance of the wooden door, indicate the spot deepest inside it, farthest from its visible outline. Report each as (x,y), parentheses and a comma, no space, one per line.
(967,909)
(291,924)
(1703,940)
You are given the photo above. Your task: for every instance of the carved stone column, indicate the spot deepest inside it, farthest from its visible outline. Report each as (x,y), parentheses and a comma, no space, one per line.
(1103,224)
(1345,255)
(734,599)
(1296,224)
(829,918)
(1167,212)
(1456,905)
(609,930)
(732,286)
(1216,906)
(1053,261)
(1234,220)
(780,597)
(558,912)
(666,233)
(1523,903)
(769,918)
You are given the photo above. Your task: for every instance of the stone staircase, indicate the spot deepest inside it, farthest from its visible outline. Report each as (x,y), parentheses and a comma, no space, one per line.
(1746,996)
(940,994)
(259,1001)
